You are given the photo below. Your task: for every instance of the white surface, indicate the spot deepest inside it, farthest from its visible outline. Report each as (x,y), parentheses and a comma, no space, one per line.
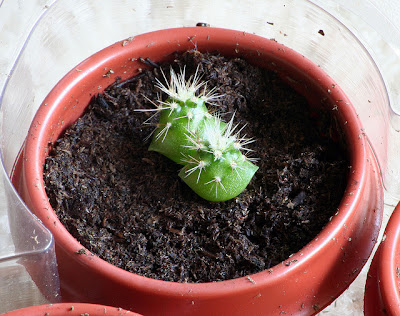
(18,17)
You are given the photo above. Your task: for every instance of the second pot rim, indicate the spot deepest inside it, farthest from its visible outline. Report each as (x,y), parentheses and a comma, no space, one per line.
(353,194)
(382,287)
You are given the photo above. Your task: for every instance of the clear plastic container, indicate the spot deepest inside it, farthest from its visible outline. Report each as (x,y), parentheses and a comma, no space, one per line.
(376,24)
(28,268)
(64,32)
(70,31)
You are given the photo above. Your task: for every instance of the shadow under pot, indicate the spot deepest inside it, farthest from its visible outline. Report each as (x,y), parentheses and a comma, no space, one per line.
(305,282)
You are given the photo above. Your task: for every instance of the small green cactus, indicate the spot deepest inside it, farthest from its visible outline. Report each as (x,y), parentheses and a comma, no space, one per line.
(209,149)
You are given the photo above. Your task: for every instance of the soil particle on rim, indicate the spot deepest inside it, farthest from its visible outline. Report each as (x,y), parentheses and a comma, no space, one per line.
(128,205)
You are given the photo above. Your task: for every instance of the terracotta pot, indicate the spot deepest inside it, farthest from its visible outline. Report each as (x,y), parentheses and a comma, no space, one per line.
(71,309)
(303,284)
(382,290)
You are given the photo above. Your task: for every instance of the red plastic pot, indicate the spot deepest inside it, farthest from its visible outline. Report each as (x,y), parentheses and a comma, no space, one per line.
(71,309)
(303,284)
(382,290)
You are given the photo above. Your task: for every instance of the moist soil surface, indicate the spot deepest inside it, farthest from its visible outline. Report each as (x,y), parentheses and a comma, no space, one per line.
(128,206)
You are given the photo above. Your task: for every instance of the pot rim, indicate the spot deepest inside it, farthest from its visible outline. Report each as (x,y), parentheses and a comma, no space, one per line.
(67,308)
(389,264)
(358,159)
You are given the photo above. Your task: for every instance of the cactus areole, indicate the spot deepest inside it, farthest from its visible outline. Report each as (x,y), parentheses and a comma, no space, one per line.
(212,152)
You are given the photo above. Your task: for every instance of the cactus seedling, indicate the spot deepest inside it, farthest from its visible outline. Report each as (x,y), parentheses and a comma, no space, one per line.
(209,149)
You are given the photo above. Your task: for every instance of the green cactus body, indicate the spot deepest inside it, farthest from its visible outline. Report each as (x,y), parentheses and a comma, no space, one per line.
(209,150)
(175,122)
(218,180)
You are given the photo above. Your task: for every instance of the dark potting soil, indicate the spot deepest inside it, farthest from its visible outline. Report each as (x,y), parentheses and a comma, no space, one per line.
(128,205)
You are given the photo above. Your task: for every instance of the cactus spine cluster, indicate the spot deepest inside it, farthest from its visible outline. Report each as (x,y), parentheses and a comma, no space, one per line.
(210,150)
